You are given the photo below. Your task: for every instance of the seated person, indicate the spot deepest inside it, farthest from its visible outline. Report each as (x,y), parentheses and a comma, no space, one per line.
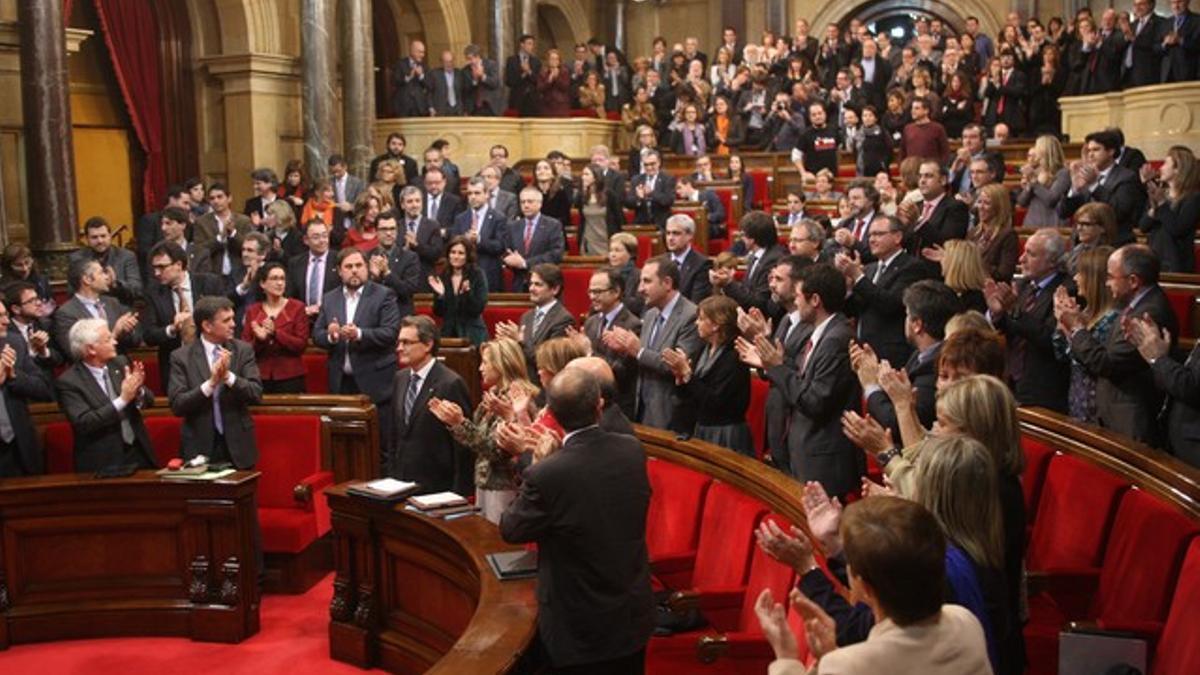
(686,190)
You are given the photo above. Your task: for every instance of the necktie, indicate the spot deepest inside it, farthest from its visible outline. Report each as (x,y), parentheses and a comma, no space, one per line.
(412,227)
(341,189)
(788,325)
(100,313)
(804,352)
(188,333)
(879,270)
(538,316)
(7,434)
(528,234)
(314,282)
(433,207)
(1004,82)
(1179,22)
(110,389)
(410,396)
(926,213)
(218,420)
(451,95)
(475,221)
(655,329)
(858,228)
(753,264)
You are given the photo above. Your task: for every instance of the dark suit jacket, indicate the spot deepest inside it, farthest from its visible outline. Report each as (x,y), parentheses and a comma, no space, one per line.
(147,233)
(1171,231)
(95,422)
(403,277)
(625,368)
(372,356)
(189,370)
(753,290)
(693,276)
(484,97)
(1181,412)
(1132,159)
(124,262)
(47,363)
(1123,191)
(1180,61)
(555,324)
(879,307)
(29,384)
(449,207)
(1012,93)
(1102,66)
(818,396)
(948,221)
(923,376)
(491,246)
(720,395)
(73,310)
(431,245)
(410,97)
(1127,400)
(159,312)
(522,87)
(1038,377)
(297,275)
(440,92)
(424,450)
(656,207)
(546,245)
(594,598)
(1147,66)
(778,410)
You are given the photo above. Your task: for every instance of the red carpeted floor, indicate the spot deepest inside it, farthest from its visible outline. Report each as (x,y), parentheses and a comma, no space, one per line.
(294,640)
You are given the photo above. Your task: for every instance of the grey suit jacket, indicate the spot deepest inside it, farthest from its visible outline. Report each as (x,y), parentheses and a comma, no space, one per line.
(94,420)
(485,97)
(625,368)
(204,232)
(73,310)
(546,245)
(190,369)
(128,286)
(440,91)
(506,204)
(658,401)
(555,324)
(777,408)
(1181,412)
(818,395)
(372,357)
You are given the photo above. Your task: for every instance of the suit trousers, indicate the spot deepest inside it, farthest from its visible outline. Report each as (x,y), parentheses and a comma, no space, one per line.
(11,465)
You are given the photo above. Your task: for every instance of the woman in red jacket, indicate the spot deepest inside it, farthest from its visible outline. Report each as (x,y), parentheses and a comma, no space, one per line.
(277,328)
(554,87)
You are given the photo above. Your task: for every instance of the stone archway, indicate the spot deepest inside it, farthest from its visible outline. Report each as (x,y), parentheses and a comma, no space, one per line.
(576,21)
(840,11)
(445,24)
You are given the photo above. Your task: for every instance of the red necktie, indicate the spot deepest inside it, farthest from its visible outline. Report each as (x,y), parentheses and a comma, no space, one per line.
(858,229)
(528,234)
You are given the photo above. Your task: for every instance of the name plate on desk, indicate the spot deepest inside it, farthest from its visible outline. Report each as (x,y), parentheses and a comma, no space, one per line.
(83,557)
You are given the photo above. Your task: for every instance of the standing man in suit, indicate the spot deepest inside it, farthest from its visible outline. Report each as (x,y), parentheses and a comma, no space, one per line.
(174,230)
(410,96)
(686,191)
(1005,90)
(423,449)
(973,148)
(503,202)
(440,205)
(487,228)
(1097,178)
(171,302)
(819,386)
(1127,400)
(20,382)
(651,192)
(90,301)
(446,88)
(436,159)
(1180,415)
(243,279)
(520,76)
(606,289)
(510,179)
(614,180)
(214,381)
(877,290)
(693,266)
(936,219)
(1179,43)
(533,239)
(265,184)
(393,265)
(346,189)
(595,607)
(396,143)
(103,396)
(482,94)
(148,230)
(763,250)
(313,274)
(615,77)
(669,322)
(120,264)
(1140,65)
(877,72)
(548,319)
(30,331)
(421,235)
(221,231)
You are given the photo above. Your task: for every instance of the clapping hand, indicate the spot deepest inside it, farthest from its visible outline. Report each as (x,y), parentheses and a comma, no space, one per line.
(762,353)
(39,341)
(896,385)
(8,362)
(999,296)
(508,329)
(436,284)
(260,331)
(514,260)
(334,330)
(872,489)
(135,377)
(865,363)
(1151,341)
(351,332)
(792,549)
(824,517)
(622,340)
(1067,312)
(125,324)
(753,323)
(819,628)
(866,433)
(678,362)
(934,253)
(220,368)
(579,338)
(448,413)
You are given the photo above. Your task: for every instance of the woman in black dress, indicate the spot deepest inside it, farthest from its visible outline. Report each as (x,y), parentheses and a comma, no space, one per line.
(556,198)
(1173,209)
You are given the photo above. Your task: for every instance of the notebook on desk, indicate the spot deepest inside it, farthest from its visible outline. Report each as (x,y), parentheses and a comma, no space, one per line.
(514,564)
(384,489)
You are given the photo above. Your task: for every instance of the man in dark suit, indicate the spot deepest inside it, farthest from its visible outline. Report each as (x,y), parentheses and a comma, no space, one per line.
(243,282)
(548,319)
(1005,90)
(1179,43)
(936,219)
(30,331)
(615,77)
(1098,179)
(265,183)
(973,148)
(585,507)
(420,235)
(313,274)
(877,72)
(220,232)
(410,97)
(171,301)
(612,418)
(533,239)
(877,290)
(614,180)
(511,180)
(1140,65)
(396,143)
(503,202)
(90,284)
(482,94)
(393,265)
(214,381)
(346,188)
(1180,416)
(435,158)
(119,263)
(686,191)
(662,97)
(423,449)
(1026,318)
(103,396)
(763,251)
(441,205)
(651,193)
(819,386)
(694,266)
(520,76)
(487,228)
(606,289)
(1127,400)
(446,86)
(20,383)
(148,230)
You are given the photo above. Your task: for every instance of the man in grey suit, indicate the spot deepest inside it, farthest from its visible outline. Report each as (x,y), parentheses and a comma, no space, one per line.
(221,231)
(669,322)
(487,228)
(606,289)
(419,234)
(346,189)
(103,396)
(819,386)
(410,96)
(483,95)
(20,382)
(214,381)
(446,86)
(499,200)
(90,302)
(534,238)
(119,264)
(548,318)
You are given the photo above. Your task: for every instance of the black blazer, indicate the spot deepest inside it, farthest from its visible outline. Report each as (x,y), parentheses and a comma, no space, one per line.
(522,87)
(553,325)
(546,245)
(491,246)
(297,275)
(693,276)
(73,310)
(29,384)
(96,423)
(1181,412)
(189,370)
(879,307)
(614,215)
(403,277)
(159,313)
(948,221)
(1171,231)
(431,245)
(372,357)
(753,290)
(424,450)
(448,208)
(1179,61)
(1147,66)
(1038,377)
(440,91)
(594,598)
(923,376)
(1123,191)
(721,394)
(624,367)
(656,207)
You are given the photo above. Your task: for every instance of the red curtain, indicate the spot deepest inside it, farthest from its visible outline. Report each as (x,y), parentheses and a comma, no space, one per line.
(131,35)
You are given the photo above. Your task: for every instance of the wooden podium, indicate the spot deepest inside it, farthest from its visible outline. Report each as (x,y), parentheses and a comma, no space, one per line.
(82,557)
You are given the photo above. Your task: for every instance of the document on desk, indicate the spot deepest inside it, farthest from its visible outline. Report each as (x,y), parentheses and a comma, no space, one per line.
(383,488)
(514,564)
(205,476)
(437,500)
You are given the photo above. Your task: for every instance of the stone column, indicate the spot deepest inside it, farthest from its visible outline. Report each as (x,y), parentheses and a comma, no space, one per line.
(502,30)
(619,27)
(529,17)
(49,152)
(358,84)
(318,91)
(777,17)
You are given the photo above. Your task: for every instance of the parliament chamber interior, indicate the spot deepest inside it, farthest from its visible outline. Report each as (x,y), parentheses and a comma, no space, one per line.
(598,336)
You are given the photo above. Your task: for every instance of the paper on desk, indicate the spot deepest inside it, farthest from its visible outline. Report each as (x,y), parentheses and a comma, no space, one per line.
(437,500)
(389,485)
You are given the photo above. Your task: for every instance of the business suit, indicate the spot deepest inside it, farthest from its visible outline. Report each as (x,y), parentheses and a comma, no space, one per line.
(948,221)
(410,93)
(448,207)
(1102,65)
(97,424)
(128,279)
(1144,65)
(512,181)
(297,277)
(658,402)
(1171,231)
(875,89)
(1179,61)
(777,408)
(504,203)
(207,227)
(159,313)
(693,275)
(625,368)
(23,455)
(819,395)
(716,213)
(491,244)
(656,206)
(442,81)
(555,321)
(431,245)
(47,363)
(922,373)
(423,450)
(753,291)
(403,277)
(594,598)
(522,87)
(73,310)
(190,368)
(879,306)
(347,188)
(483,97)
(1006,101)
(1127,400)
(146,233)
(372,359)
(546,245)
(1122,190)
(1038,377)
(1181,412)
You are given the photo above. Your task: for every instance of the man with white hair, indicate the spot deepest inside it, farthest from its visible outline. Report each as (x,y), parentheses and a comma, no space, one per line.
(102,395)
(533,238)
(21,381)
(693,265)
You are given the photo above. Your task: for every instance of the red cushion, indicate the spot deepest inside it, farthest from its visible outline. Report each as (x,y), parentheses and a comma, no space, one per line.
(316,374)
(726,196)
(765,572)
(1037,458)
(1181,304)
(58,445)
(1019,216)
(166,434)
(286,530)
(726,537)
(153,372)
(493,315)
(289,450)
(1179,647)
(1076,506)
(575,289)
(761,179)
(645,248)
(756,414)
(676,498)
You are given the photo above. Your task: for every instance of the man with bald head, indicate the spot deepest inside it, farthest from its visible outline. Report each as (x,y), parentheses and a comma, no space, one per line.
(612,419)
(410,93)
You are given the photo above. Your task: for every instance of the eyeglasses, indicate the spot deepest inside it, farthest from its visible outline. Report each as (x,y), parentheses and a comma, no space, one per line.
(161,266)
(1087,223)
(407,343)
(600,291)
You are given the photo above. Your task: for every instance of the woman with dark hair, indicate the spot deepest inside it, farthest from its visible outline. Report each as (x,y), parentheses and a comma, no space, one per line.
(600,214)
(958,105)
(1100,317)
(366,209)
(622,257)
(277,328)
(717,389)
(460,294)
(874,145)
(17,264)
(294,188)
(896,116)
(1173,209)
(737,171)
(724,128)
(690,135)
(556,197)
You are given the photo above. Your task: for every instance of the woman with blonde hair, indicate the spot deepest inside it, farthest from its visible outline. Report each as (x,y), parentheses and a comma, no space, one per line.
(910,176)
(644,140)
(963,272)
(592,93)
(1100,313)
(1044,182)
(508,397)
(622,258)
(280,228)
(389,179)
(994,233)
(1173,209)
(1095,225)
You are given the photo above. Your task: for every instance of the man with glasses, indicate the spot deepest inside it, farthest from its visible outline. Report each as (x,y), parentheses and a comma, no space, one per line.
(605,290)
(120,264)
(20,383)
(30,331)
(651,192)
(171,302)
(312,274)
(393,265)
(1097,178)
(805,240)
(510,180)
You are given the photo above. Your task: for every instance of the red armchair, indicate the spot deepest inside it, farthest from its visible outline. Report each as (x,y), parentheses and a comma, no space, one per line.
(673,519)
(1179,647)
(1076,506)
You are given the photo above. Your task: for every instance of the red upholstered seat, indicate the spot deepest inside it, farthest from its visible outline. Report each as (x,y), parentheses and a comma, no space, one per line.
(1037,458)
(495,314)
(761,179)
(1179,646)
(756,414)
(676,499)
(166,436)
(1181,304)
(153,372)
(316,374)
(1077,504)
(58,446)
(575,289)
(645,248)
(289,455)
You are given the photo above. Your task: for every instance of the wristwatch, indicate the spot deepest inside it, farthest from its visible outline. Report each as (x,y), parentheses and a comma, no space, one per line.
(886,456)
